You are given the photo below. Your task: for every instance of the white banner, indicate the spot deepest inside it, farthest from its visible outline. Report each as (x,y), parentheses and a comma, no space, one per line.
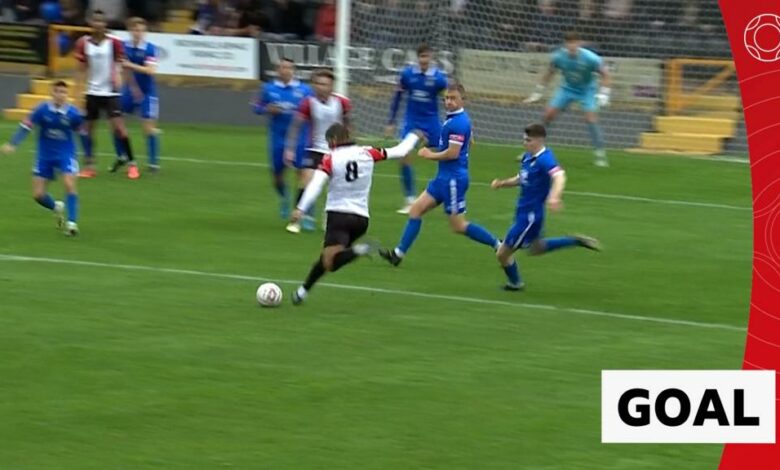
(688,406)
(203,56)
(635,82)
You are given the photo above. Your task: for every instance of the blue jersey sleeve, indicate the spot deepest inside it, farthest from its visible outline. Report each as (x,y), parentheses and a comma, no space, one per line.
(151,54)
(75,118)
(403,78)
(548,162)
(262,100)
(456,132)
(36,116)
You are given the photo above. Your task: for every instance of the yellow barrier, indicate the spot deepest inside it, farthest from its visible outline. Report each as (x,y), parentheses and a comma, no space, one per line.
(60,64)
(679,100)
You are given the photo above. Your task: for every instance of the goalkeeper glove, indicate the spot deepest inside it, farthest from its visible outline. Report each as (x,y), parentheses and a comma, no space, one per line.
(536,95)
(602,97)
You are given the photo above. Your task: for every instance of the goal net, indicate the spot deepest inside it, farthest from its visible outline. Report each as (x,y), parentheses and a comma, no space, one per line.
(499,48)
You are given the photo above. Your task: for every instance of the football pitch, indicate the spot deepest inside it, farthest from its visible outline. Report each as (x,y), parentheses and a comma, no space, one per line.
(140,345)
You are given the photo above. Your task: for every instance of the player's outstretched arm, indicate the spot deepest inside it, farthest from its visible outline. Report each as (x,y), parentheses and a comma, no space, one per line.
(403,148)
(21,133)
(539,92)
(505,183)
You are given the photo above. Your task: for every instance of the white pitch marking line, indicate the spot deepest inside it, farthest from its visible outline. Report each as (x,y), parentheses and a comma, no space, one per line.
(422,295)
(620,197)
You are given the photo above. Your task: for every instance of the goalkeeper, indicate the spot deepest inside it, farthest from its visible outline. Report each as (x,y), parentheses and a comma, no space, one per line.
(579,67)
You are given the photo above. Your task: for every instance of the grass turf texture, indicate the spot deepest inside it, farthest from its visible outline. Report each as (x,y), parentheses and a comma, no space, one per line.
(116,368)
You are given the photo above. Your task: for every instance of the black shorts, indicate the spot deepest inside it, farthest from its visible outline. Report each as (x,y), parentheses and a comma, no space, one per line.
(96,104)
(312,160)
(343,229)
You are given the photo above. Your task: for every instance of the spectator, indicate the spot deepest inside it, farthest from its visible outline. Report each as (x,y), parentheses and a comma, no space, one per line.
(325,26)
(209,17)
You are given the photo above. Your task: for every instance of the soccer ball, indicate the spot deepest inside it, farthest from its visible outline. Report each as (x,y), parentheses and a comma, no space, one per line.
(269,295)
(762,37)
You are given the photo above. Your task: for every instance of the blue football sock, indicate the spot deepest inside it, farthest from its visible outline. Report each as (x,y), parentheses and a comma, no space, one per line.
(46,201)
(119,147)
(552,244)
(407,178)
(411,231)
(480,234)
(153,148)
(595,135)
(513,273)
(86,145)
(72,206)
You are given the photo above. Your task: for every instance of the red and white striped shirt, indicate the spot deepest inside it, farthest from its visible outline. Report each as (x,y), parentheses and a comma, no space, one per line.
(102,61)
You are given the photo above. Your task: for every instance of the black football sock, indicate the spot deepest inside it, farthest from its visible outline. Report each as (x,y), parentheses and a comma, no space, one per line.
(343,258)
(317,271)
(128,150)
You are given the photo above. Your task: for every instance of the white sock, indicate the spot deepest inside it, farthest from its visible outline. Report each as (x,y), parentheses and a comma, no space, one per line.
(600,153)
(398,253)
(302,292)
(361,249)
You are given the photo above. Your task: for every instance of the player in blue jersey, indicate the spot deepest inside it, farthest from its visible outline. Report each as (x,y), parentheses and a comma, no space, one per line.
(140,91)
(451,182)
(57,120)
(280,100)
(579,67)
(541,181)
(422,83)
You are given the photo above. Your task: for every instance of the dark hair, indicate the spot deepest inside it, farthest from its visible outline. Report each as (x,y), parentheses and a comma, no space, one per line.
(60,83)
(571,36)
(338,133)
(424,48)
(535,131)
(327,73)
(98,12)
(457,86)
(287,59)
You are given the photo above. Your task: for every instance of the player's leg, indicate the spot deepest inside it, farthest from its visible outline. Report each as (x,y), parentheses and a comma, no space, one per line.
(150,113)
(87,136)
(506,258)
(341,232)
(407,176)
(127,106)
(277,178)
(590,107)
(120,130)
(525,229)
(541,246)
(455,208)
(559,102)
(424,203)
(43,172)
(69,180)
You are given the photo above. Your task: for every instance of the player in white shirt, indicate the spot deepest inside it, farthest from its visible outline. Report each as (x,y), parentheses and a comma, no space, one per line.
(100,57)
(322,110)
(348,169)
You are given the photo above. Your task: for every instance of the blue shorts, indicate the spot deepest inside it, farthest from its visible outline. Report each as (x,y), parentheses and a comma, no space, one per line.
(451,192)
(277,157)
(149,105)
(526,229)
(563,98)
(431,129)
(47,167)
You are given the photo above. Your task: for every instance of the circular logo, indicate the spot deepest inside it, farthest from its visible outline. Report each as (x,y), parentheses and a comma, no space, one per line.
(762,37)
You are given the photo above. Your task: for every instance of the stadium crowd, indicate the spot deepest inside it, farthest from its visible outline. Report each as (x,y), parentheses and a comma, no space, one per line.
(616,27)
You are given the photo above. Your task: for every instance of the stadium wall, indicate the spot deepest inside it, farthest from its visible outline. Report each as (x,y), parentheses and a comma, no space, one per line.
(230,107)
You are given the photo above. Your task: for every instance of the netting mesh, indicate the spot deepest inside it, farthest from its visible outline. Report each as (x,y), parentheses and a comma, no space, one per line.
(499,48)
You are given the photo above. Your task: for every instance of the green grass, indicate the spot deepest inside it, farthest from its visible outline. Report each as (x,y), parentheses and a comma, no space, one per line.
(109,367)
